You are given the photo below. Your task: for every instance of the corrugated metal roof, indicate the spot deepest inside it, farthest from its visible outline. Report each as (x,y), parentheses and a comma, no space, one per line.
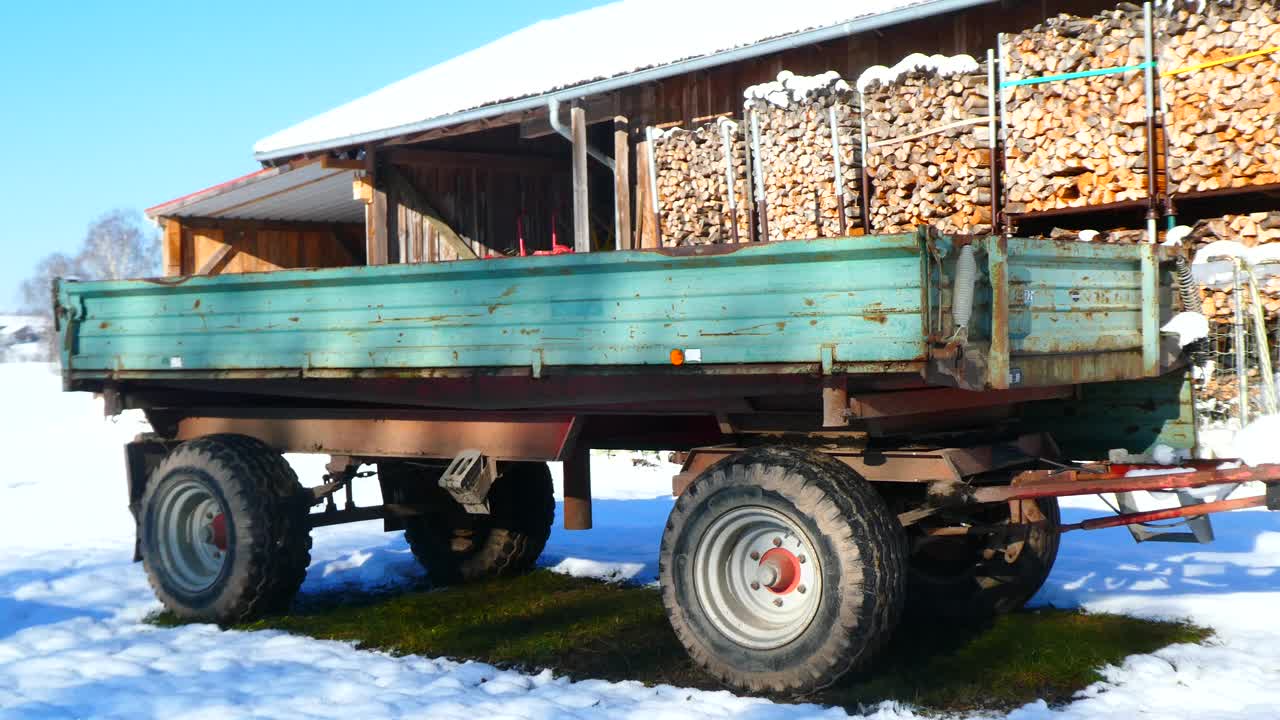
(310,193)
(616,45)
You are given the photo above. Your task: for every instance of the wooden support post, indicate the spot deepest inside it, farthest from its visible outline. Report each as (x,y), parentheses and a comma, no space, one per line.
(172,249)
(577,490)
(622,182)
(581,206)
(646,219)
(375,212)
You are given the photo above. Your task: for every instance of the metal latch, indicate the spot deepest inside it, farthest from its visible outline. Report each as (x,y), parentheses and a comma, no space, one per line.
(468,479)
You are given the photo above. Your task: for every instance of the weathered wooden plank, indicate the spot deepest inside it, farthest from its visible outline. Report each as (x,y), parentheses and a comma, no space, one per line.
(622,181)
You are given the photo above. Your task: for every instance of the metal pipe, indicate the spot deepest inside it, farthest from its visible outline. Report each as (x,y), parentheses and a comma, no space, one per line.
(729,180)
(1004,123)
(866,176)
(1094,484)
(835,161)
(758,167)
(553,114)
(1149,88)
(1238,337)
(768,47)
(1168,514)
(992,141)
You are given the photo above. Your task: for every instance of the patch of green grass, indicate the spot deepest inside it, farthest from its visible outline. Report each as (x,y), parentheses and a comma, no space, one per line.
(586,628)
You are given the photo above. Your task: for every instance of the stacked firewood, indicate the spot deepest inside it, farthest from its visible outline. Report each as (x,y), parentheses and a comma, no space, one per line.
(695,201)
(1221,121)
(928,161)
(1117,236)
(1250,231)
(1079,142)
(792,118)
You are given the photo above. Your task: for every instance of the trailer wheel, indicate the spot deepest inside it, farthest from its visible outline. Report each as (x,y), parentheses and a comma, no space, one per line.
(782,570)
(455,546)
(224,536)
(973,577)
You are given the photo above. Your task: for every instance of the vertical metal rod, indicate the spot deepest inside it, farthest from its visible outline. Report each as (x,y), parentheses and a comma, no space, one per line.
(839,174)
(1001,75)
(759,173)
(729,178)
(581,201)
(1263,349)
(653,184)
(866,176)
(1149,88)
(1242,353)
(992,141)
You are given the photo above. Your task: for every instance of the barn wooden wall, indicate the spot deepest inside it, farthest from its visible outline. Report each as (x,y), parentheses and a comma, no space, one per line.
(195,244)
(482,204)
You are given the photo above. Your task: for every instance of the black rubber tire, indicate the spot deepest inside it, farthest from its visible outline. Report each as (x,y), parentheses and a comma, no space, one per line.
(456,547)
(269,539)
(862,550)
(986,587)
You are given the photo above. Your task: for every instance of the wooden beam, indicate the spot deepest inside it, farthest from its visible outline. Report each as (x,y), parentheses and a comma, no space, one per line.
(581,206)
(413,199)
(466,128)
(622,182)
(646,220)
(375,212)
(217,261)
(172,248)
(331,163)
(535,164)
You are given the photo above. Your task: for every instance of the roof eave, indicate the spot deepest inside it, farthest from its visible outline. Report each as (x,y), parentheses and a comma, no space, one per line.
(617,82)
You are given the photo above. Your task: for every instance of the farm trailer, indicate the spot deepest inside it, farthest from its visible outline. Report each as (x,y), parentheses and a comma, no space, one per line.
(867,423)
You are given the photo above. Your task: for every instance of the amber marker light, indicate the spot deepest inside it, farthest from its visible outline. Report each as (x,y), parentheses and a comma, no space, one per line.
(677,357)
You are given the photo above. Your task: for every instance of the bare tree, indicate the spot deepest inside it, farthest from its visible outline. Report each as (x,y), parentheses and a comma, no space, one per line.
(119,245)
(116,246)
(36,292)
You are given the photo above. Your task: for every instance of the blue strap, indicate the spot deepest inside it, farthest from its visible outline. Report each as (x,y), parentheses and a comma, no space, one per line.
(1076,75)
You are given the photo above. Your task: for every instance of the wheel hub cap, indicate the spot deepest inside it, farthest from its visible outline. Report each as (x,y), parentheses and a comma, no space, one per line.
(192,535)
(757,577)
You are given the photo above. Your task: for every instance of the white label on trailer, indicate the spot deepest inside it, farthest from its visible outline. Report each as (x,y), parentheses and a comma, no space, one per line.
(693,355)
(175,361)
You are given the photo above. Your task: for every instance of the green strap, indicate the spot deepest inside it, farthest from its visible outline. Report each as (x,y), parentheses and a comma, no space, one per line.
(1076,75)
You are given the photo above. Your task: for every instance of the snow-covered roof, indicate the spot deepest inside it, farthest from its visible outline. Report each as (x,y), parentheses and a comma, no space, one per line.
(597,50)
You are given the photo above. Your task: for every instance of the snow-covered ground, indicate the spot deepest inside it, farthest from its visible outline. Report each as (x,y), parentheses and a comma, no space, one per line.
(72,646)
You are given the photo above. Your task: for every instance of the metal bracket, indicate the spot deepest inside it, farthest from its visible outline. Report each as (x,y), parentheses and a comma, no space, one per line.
(468,479)
(1200,527)
(1273,496)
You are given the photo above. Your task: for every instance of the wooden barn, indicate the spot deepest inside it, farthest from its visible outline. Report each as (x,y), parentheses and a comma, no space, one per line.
(537,142)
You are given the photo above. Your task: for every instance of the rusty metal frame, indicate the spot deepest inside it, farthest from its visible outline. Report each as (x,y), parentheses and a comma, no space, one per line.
(524,436)
(930,465)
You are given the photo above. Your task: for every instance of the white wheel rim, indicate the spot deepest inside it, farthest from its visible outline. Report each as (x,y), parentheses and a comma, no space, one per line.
(757,577)
(192,535)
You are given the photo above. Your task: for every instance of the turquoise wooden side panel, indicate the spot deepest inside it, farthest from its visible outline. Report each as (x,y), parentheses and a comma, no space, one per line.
(1069,297)
(774,303)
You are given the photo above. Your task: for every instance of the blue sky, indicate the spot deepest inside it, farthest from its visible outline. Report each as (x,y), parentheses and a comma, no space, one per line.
(131,103)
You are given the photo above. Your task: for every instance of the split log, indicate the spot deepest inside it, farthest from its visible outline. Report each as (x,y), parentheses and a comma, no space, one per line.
(922,174)
(1114,236)
(792,122)
(1080,142)
(1221,121)
(1249,230)
(695,200)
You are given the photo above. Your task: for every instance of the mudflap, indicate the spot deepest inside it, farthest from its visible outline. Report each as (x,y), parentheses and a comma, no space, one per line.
(141,457)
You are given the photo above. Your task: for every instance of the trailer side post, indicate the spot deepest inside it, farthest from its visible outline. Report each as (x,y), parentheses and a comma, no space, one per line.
(577,490)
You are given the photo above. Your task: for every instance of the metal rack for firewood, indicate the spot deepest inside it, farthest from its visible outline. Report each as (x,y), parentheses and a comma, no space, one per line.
(1149,206)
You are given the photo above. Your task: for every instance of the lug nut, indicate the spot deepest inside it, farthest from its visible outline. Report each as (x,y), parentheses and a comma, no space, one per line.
(778,602)
(801,559)
(755,555)
(755,586)
(777,542)
(801,589)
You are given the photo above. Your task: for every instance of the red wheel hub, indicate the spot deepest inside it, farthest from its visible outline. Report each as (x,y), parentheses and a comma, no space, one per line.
(219,525)
(779,571)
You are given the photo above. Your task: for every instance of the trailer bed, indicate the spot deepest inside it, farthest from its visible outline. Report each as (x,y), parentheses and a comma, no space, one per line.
(1046,313)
